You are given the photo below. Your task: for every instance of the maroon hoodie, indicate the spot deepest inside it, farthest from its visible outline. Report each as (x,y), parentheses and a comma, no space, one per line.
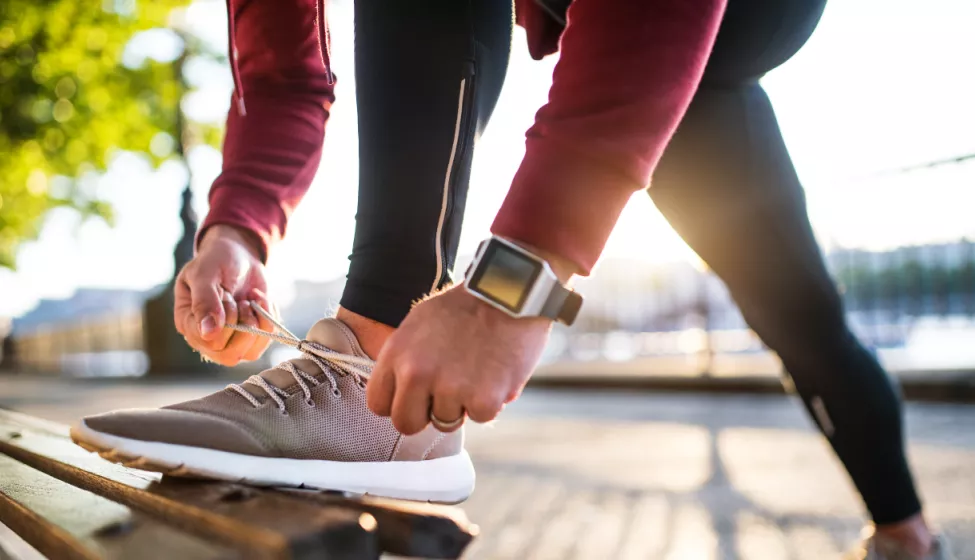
(626,73)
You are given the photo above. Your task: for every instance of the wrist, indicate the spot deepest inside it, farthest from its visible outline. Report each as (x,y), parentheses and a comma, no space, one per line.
(235,234)
(487,313)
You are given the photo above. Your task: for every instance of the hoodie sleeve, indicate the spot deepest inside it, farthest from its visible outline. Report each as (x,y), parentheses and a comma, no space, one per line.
(276,125)
(627,72)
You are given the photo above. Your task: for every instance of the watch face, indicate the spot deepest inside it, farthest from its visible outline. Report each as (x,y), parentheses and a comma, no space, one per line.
(505,276)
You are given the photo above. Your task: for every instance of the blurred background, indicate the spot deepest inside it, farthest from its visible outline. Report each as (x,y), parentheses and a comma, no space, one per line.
(111,117)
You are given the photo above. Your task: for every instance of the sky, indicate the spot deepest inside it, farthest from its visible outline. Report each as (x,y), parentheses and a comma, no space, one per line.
(881,85)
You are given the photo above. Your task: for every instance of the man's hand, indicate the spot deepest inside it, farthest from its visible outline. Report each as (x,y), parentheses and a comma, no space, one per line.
(214,289)
(454,355)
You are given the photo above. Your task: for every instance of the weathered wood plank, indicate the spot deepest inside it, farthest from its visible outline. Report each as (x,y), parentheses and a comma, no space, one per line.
(62,521)
(13,547)
(222,510)
(257,522)
(48,538)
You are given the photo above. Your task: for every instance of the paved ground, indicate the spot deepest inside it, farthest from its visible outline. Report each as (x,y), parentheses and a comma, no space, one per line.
(609,475)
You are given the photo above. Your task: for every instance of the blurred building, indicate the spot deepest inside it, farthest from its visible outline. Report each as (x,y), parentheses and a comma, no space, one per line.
(101,332)
(93,332)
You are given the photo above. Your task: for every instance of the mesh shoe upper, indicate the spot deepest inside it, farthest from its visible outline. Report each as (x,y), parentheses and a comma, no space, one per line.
(334,424)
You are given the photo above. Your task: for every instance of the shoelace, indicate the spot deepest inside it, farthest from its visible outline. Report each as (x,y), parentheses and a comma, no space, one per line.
(329,361)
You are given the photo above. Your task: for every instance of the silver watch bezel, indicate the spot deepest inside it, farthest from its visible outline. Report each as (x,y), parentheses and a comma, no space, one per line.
(538,294)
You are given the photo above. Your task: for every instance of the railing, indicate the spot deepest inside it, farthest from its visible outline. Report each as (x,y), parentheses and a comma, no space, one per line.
(898,301)
(914,304)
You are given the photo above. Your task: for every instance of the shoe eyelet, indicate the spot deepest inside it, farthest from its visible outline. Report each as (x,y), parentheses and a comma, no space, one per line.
(310,403)
(283,412)
(336,393)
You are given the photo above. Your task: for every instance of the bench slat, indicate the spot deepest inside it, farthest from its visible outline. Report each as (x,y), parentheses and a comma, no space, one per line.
(257,522)
(62,521)
(49,539)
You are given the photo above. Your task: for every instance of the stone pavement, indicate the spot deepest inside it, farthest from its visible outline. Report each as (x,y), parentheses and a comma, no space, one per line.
(625,476)
(611,475)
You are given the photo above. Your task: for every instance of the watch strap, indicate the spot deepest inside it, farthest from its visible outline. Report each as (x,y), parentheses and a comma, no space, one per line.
(562,305)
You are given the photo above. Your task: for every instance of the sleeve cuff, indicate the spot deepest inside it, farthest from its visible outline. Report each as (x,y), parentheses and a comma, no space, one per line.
(565,202)
(248,210)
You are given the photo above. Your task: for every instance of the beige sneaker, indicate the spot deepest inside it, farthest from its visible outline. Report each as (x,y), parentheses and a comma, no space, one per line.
(875,547)
(303,423)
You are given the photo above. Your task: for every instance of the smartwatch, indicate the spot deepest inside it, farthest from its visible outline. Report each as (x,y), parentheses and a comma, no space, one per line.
(519,283)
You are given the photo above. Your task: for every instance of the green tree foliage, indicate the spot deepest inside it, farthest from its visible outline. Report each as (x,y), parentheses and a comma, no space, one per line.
(67,102)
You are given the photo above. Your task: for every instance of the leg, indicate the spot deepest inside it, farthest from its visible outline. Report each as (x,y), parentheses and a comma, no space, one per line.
(428,75)
(732,194)
(727,184)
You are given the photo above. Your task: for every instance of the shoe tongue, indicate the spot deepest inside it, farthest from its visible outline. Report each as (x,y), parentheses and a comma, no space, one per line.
(330,333)
(335,335)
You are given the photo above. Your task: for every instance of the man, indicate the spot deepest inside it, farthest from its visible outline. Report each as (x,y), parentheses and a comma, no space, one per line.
(428,74)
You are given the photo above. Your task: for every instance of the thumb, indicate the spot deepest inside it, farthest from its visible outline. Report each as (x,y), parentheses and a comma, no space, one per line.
(207,306)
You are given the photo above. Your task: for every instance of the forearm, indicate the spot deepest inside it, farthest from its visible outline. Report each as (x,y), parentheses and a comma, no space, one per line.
(626,74)
(272,149)
(270,159)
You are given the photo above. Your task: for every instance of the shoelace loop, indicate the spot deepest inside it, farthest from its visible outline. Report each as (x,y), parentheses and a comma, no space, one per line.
(329,361)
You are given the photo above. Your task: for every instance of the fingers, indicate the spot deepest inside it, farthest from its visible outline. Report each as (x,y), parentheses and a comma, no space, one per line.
(514,394)
(411,403)
(208,306)
(225,353)
(185,321)
(182,311)
(408,394)
(210,293)
(238,343)
(260,298)
(483,407)
(231,317)
(228,347)
(200,310)
(447,407)
(380,388)
(260,343)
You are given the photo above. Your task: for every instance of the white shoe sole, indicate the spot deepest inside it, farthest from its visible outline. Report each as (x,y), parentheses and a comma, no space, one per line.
(448,480)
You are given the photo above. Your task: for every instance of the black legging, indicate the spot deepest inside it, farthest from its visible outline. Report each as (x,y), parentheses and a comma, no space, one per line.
(417,128)
(726,183)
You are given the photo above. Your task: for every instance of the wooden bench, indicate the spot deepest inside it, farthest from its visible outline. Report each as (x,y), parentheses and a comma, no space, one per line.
(70,504)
